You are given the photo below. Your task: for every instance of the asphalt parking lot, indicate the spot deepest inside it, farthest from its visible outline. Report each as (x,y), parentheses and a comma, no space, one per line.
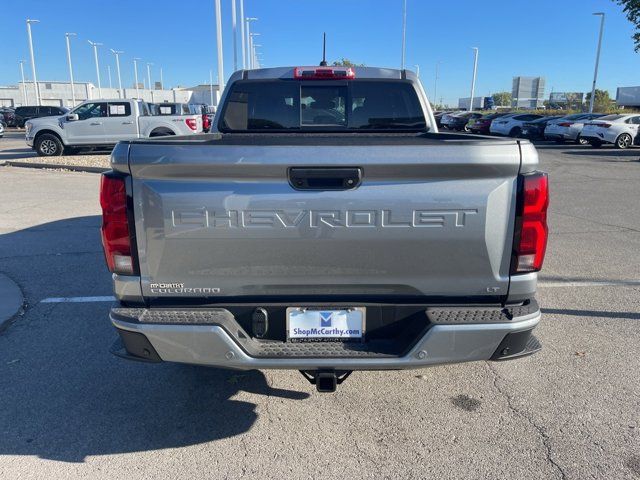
(70,409)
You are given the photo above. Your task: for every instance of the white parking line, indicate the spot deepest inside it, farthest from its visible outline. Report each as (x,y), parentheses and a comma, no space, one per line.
(109,298)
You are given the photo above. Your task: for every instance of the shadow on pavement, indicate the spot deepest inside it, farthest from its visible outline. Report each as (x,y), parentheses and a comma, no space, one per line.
(64,397)
(592,313)
(633,154)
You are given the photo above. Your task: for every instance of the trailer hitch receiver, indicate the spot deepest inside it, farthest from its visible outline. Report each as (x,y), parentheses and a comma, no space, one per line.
(326,381)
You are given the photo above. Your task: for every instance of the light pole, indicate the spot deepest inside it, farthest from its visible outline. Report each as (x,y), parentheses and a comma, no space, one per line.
(235,36)
(211,85)
(161,80)
(473,81)
(33,60)
(109,73)
(248,20)
(117,55)
(251,53)
(595,73)
(24,87)
(244,48)
(219,44)
(435,83)
(404,29)
(256,62)
(149,75)
(417,70)
(73,92)
(95,46)
(135,72)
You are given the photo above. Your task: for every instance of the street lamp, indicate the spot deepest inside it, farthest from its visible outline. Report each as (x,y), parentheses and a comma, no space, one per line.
(255,55)
(211,85)
(404,29)
(248,20)
(109,74)
(95,46)
(435,83)
(33,61)
(595,73)
(473,81)
(219,45)
(244,48)
(235,35)
(73,92)
(161,80)
(135,71)
(24,87)
(251,53)
(149,75)
(117,55)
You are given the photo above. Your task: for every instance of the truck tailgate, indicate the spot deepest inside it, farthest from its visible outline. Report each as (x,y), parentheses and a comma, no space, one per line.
(223,220)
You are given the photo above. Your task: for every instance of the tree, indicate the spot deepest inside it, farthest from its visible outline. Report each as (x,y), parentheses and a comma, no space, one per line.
(602,102)
(632,9)
(345,62)
(502,99)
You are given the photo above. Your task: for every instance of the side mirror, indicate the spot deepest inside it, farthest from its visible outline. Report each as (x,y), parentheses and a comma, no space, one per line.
(72,117)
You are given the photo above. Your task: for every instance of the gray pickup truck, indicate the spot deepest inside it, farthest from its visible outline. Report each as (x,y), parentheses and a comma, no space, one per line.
(326,226)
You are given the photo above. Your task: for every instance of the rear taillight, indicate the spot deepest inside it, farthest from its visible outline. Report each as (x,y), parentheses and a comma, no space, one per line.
(192,123)
(530,242)
(565,124)
(601,125)
(116,240)
(205,121)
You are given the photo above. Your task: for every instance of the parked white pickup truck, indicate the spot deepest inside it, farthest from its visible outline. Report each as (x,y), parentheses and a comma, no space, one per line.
(103,123)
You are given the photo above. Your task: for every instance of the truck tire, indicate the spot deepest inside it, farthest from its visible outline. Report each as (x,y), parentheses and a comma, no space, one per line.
(161,132)
(623,141)
(48,145)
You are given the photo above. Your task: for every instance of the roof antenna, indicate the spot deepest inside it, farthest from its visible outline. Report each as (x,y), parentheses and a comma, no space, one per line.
(323,63)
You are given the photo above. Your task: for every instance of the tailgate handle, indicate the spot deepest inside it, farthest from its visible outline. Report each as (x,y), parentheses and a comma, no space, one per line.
(325,178)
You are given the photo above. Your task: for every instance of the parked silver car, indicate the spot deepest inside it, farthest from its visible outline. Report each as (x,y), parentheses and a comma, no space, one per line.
(569,128)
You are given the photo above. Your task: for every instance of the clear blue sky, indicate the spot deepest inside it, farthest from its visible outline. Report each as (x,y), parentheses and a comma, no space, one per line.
(553,38)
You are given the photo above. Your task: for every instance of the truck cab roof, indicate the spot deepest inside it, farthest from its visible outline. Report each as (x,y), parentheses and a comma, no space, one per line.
(289,73)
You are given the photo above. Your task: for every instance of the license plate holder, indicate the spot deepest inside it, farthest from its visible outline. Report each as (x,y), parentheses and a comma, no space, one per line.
(331,324)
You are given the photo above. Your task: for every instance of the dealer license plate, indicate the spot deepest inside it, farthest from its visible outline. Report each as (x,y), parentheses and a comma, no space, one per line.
(325,325)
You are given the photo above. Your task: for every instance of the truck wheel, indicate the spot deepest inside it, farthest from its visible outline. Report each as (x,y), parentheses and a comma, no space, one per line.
(48,145)
(161,132)
(582,141)
(624,141)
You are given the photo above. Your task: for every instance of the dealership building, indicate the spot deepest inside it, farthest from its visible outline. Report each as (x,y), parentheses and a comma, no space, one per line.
(59,94)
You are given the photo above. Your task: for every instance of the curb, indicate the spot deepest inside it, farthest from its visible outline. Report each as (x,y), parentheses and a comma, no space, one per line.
(11,300)
(75,168)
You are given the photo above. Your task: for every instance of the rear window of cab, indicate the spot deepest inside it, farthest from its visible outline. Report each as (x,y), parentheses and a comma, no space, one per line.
(286,105)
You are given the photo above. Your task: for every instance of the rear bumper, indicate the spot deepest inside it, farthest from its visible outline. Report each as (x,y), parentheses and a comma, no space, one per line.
(600,137)
(451,336)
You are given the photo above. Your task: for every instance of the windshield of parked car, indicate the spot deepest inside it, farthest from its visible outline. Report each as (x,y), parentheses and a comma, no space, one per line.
(272,105)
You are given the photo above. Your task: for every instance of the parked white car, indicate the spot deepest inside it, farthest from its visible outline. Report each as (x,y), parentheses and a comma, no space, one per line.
(1,131)
(569,128)
(511,125)
(621,130)
(103,123)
